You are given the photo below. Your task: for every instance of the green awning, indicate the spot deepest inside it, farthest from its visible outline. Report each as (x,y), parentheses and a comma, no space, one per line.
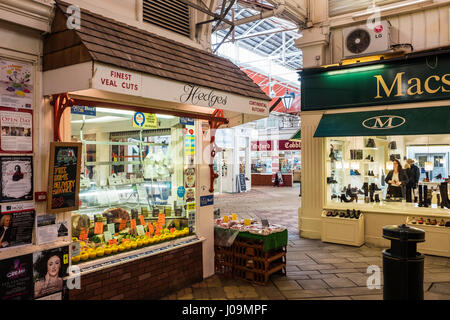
(297,135)
(435,120)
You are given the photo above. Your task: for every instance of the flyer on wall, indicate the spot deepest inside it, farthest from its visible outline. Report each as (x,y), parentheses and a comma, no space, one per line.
(16,225)
(16,178)
(17,131)
(49,269)
(16,84)
(16,278)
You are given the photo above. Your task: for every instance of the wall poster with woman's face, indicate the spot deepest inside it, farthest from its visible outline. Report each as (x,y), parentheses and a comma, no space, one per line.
(49,269)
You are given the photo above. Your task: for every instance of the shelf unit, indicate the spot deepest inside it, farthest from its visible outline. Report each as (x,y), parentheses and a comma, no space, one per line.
(437,238)
(343,230)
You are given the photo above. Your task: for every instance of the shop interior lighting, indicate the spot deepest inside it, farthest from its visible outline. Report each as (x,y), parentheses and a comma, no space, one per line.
(339,165)
(99,119)
(429,166)
(346,165)
(387,8)
(357,69)
(354,165)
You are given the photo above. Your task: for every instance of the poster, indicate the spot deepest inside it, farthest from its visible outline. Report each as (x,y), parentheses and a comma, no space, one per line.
(16,84)
(16,225)
(64,180)
(16,178)
(189,177)
(49,269)
(47,230)
(16,131)
(16,278)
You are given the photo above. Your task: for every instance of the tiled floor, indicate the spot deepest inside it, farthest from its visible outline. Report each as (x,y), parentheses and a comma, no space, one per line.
(315,270)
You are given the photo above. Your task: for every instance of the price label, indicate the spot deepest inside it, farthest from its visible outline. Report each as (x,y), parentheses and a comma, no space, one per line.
(162,219)
(133,224)
(191,206)
(98,229)
(84,234)
(66,258)
(112,228)
(142,220)
(123,224)
(140,230)
(150,228)
(107,236)
(76,249)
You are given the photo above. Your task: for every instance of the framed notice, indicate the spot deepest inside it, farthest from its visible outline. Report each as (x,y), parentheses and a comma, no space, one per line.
(16,178)
(16,278)
(16,131)
(64,177)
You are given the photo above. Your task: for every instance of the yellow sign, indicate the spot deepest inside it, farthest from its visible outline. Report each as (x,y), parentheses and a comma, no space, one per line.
(191,206)
(145,120)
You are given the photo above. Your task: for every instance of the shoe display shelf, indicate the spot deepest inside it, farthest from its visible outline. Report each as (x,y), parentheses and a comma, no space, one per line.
(254,264)
(437,238)
(349,231)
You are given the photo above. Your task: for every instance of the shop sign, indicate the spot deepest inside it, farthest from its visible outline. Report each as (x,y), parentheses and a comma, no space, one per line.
(261,145)
(187,121)
(83,110)
(206,200)
(196,95)
(419,79)
(145,120)
(289,145)
(64,176)
(117,80)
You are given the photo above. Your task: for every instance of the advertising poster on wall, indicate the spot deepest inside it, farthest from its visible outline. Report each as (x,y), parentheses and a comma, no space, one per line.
(16,84)
(16,225)
(16,278)
(64,180)
(49,269)
(16,131)
(16,178)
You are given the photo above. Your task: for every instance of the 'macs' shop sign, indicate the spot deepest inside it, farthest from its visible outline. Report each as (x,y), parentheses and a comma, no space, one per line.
(404,81)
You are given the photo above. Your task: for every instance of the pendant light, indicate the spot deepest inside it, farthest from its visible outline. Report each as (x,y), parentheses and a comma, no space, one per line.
(390,165)
(428,164)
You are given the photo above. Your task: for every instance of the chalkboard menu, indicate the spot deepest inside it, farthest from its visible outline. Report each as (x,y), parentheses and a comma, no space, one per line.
(64,176)
(242,182)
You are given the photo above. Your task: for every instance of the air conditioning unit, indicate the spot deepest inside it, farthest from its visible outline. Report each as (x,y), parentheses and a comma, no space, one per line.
(365,40)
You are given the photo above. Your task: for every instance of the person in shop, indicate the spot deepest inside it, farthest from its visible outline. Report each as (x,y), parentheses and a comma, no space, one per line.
(413,173)
(397,179)
(49,269)
(5,230)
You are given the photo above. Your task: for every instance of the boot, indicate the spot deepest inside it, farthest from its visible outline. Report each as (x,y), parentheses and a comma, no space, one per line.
(365,188)
(371,190)
(377,198)
(443,188)
(425,196)
(438,197)
(420,195)
(332,155)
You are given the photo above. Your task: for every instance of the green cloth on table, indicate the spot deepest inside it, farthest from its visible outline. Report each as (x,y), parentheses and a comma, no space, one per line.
(272,241)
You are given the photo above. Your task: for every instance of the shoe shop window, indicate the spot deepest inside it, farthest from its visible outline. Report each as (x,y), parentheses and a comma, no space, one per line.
(396,170)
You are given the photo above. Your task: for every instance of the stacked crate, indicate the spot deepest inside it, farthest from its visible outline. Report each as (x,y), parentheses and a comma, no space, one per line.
(249,261)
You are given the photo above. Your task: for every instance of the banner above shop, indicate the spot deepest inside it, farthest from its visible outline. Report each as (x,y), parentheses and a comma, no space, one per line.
(261,146)
(122,81)
(286,145)
(404,81)
(432,120)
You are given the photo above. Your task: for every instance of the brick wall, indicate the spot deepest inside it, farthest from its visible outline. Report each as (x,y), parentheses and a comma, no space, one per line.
(147,278)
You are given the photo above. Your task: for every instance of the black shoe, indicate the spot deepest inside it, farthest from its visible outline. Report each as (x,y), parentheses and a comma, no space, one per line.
(439,176)
(347,215)
(330,180)
(342,214)
(377,198)
(335,214)
(443,188)
(375,187)
(357,173)
(371,159)
(334,196)
(368,157)
(447,224)
(344,198)
(329,213)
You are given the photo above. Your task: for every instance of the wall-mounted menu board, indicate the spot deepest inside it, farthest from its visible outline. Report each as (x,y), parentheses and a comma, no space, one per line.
(64,176)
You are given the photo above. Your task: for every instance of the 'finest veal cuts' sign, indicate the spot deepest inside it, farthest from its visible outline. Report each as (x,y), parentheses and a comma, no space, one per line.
(64,180)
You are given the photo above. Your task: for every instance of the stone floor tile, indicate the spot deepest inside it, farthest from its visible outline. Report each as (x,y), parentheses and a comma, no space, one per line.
(339,283)
(440,288)
(346,254)
(327,298)
(337,271)
(356,291)
(216,293)
(323,276)
(287,285)
(313,284)
(370,260)
(200,293)
(437,277)
(299,294)
(350,265)
(435,296)
(302,273)
(300,262)
(368,297)
(331,260)
(316,267)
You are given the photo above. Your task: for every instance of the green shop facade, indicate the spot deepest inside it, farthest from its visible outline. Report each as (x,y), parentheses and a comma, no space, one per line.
(359,121)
